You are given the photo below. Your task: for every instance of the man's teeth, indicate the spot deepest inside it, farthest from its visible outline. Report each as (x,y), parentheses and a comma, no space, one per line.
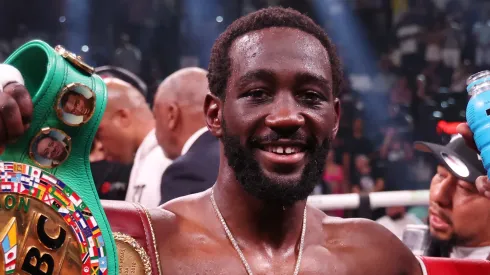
(283,150)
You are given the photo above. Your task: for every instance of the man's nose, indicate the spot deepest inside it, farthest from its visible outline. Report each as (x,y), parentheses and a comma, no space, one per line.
(285,117)
(442,193)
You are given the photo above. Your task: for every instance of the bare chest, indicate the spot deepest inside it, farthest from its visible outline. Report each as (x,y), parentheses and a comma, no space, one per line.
(226,261)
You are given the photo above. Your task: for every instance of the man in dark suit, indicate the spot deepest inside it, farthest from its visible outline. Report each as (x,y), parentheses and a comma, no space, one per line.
(181,132)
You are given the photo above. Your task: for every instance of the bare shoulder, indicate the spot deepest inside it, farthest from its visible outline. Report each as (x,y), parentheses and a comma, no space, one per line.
(370,245)
(184,209)
(181,216)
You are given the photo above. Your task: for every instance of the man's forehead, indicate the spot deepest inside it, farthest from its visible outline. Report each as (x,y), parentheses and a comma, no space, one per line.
(273,37)
(280,49)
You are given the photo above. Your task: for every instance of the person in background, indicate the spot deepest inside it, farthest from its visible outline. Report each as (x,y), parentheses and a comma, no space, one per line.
(356,145)
(366,179)
(395,148)
(333,176)
(127,134)
(458,214)
(397,219)
(110,178)
(182,133)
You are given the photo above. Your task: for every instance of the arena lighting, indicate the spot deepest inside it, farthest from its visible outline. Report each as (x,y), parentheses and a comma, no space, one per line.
(376,199)
(199,21)
(347,32)
(77,30)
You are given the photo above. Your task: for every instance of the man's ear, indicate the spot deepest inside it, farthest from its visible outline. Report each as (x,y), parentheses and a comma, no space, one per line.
(123,117)
(337,111)
(212,113)
(173,116)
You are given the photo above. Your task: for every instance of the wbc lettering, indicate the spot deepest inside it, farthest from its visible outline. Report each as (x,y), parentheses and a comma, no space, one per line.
(45,227)
(43,264)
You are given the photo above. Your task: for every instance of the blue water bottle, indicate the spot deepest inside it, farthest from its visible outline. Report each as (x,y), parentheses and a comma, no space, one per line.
(478,113)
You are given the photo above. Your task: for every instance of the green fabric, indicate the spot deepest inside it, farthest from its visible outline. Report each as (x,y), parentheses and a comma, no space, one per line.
(45,74)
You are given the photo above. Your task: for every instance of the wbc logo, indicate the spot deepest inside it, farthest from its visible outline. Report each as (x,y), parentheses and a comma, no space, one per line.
(45,227)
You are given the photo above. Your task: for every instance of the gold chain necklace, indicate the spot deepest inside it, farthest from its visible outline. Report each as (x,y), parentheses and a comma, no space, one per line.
(239,251)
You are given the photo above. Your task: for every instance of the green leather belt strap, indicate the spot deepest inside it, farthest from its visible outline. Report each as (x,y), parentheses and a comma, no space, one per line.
(47,72)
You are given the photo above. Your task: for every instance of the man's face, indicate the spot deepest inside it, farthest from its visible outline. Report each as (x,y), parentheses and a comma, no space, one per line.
(50,148)
(279,114)
(113,134)
(77,104)
(457,212)
(163,131)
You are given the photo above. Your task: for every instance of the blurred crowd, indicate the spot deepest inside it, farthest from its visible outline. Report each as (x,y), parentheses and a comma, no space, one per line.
(423,65)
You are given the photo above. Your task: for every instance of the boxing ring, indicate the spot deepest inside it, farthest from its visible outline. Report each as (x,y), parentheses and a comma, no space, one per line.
(365,202)
(371,200)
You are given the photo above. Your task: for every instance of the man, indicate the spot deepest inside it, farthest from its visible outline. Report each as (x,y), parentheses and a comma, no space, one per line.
(397,219)
(111,178)
(182,133)
(127,134)
(356,145)
(76,104)
(52,149)
(458,214)
(274,78)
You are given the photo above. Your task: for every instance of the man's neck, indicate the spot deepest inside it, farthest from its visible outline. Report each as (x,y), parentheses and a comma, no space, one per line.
(250,219)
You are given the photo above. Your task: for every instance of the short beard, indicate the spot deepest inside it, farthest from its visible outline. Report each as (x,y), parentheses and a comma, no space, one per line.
(251,177)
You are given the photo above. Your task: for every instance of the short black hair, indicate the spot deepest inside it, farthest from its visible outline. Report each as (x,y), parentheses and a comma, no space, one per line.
(219,65)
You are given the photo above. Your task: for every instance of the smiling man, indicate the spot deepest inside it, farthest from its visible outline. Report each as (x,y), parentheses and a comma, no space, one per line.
(274,78)
(458,214)
(52,149)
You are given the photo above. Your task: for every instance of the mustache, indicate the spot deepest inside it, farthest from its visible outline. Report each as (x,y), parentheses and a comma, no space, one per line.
(309,141)
(439,212)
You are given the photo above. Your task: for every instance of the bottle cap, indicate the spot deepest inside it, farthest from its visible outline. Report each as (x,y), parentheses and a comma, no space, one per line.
(480,87)
(477,79)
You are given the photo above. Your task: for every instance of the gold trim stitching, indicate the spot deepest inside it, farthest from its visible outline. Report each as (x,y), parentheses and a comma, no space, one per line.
(157,256)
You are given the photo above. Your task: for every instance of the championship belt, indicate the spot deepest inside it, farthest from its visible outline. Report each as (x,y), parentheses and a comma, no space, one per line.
(51,219)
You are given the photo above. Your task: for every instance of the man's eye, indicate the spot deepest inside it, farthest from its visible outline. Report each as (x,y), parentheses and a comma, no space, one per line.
(311,97)
(441,175)
(256,94)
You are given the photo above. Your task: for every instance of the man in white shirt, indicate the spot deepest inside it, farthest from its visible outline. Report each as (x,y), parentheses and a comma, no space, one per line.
(182,133)
(397,219)
(127,135)
(458,214)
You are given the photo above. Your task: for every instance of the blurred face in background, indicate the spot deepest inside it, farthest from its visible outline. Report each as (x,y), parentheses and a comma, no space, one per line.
(113,134)
(362,164)
(457,212)
(116,129)
(166,117)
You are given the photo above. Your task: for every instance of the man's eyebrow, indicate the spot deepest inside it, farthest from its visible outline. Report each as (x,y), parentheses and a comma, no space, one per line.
(302,78)
(257,75)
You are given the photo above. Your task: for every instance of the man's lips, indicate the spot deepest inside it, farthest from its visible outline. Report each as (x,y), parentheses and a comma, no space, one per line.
(438,221)
(282,152)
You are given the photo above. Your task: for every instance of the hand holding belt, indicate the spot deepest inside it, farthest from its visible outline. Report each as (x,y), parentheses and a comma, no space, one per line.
(53,222)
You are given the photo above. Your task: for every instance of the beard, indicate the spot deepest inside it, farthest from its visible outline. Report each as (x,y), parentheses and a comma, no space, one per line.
(281,193)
